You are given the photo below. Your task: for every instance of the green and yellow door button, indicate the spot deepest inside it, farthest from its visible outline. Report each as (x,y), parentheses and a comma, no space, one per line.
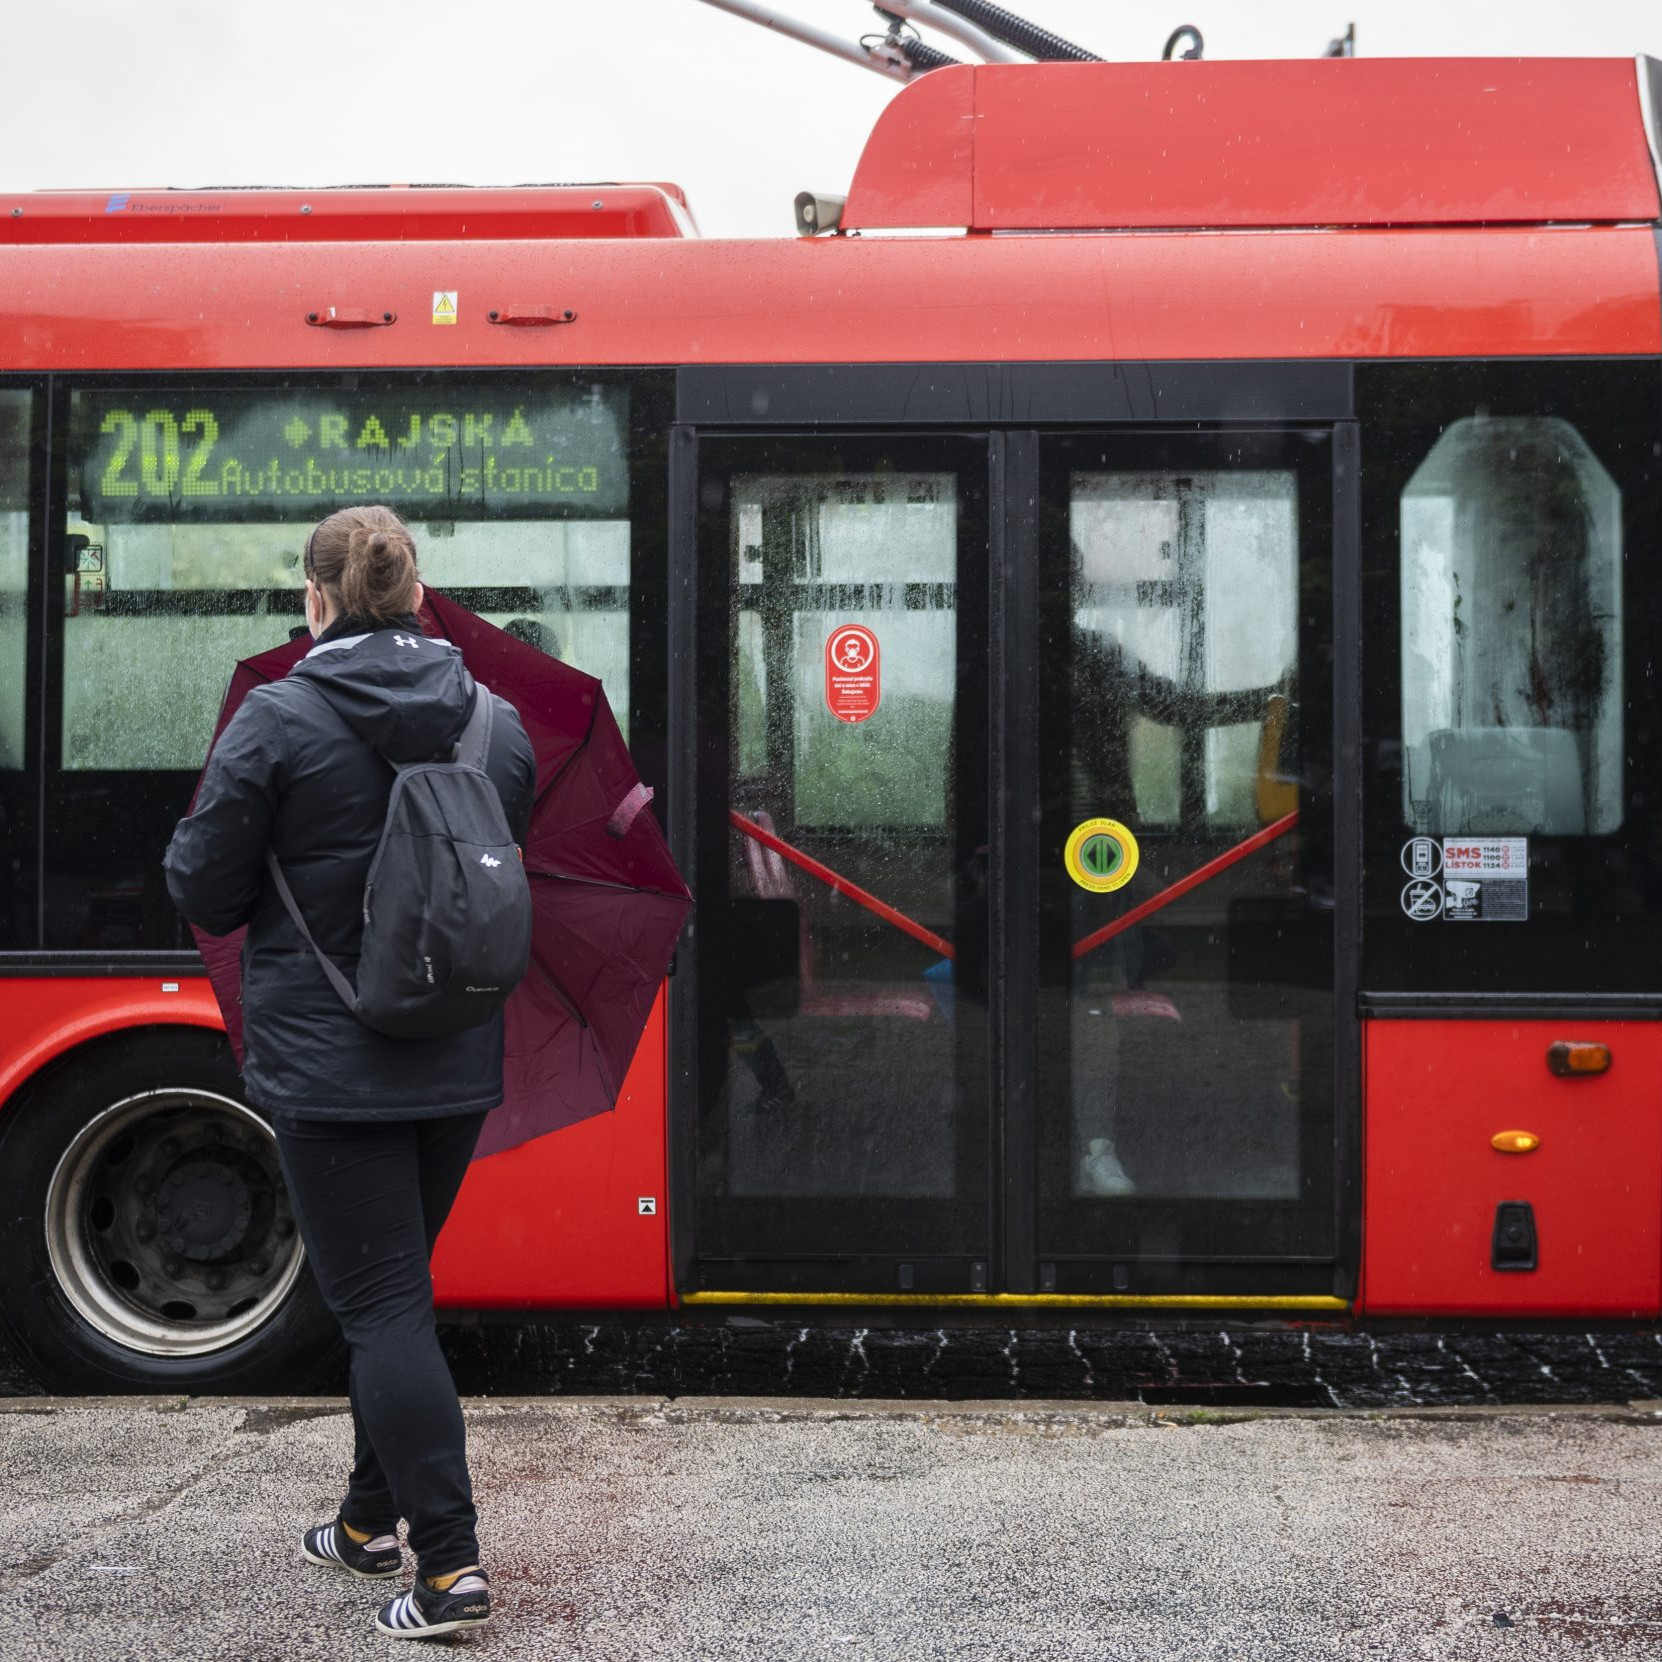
(1101,855)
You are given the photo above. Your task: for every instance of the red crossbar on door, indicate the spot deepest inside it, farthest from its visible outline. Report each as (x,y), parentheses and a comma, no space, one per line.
(1175,891)
(840,884)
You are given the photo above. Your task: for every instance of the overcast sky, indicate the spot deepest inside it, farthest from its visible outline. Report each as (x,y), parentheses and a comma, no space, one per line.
(106,93)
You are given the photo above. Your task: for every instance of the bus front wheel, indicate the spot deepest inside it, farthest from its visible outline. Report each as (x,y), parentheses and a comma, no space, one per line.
(146,1230)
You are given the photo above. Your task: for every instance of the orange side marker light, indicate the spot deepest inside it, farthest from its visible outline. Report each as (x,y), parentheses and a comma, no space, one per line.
(1515,1142)
(1574,1059)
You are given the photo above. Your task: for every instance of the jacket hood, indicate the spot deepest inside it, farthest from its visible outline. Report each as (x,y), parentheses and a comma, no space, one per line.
(404,694)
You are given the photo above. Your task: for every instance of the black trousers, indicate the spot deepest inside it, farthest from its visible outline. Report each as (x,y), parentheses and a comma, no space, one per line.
(370,1199)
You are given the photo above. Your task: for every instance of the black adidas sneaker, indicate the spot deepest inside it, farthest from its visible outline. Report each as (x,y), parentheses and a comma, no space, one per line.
(426,1613)
(373,1561)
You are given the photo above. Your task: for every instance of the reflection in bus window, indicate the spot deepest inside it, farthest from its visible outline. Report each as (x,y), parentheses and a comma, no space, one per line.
(184,569)
(1184,614)
(1511,633)
(14,549)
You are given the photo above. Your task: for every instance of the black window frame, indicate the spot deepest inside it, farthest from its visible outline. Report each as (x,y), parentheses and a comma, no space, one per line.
(23,788)
(651,401)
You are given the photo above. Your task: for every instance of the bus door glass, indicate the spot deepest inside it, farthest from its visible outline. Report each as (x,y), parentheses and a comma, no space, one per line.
(1185,1028)
(842,1134)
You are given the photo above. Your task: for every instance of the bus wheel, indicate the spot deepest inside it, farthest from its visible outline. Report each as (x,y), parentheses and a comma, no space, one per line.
(147,1231)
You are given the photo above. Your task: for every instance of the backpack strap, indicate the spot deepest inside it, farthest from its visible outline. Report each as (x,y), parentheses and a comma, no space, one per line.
(474,746)
(337,980)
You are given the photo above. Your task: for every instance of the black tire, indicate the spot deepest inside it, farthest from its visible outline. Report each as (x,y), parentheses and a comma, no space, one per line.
(145,1233)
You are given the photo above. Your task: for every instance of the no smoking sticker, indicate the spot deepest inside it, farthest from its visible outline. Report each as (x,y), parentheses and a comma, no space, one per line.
(1101,855)
(853,673)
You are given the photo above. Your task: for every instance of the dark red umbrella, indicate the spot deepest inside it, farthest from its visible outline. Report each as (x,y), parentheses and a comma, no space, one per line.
(608,902)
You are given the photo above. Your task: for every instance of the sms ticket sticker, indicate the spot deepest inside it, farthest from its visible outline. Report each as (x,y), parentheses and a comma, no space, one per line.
(1486,879)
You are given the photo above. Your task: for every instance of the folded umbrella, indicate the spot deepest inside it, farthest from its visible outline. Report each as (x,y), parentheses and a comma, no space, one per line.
(607,901)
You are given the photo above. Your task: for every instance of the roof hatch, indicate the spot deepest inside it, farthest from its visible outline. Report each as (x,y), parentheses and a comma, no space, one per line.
(1339,141)
(375,213)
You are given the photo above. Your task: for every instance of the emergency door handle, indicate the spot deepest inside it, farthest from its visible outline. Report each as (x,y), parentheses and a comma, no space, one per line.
(349,317)
(531,317)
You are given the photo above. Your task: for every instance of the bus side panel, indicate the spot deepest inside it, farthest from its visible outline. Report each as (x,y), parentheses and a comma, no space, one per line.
(1438,1092)
(1361,294)
(574,1220)
(45,1018)
(554,1223)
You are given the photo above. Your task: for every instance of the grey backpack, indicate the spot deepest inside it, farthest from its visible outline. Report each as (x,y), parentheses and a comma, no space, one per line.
(447,909)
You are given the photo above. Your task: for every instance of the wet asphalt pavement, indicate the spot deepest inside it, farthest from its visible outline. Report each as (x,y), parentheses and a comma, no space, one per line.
(783,1530)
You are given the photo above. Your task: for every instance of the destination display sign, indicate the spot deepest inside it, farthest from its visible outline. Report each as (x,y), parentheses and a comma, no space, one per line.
(442,452)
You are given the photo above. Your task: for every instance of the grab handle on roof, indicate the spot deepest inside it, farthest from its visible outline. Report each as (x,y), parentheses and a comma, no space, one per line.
(349,317)
(531,317)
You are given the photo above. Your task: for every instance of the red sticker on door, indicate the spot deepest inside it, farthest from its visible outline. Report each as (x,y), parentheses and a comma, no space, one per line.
(853,673)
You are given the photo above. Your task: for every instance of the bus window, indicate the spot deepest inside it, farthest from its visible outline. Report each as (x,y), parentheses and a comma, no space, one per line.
(1508,515)
(188,509)
(1511,634)
(859,545)
(14,550)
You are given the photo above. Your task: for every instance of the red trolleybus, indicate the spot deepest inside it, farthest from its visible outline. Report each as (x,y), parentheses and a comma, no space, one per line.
(1155,693)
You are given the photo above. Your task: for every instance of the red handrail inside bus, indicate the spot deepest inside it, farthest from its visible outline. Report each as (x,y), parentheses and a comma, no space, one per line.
(840,884)
(1175,891)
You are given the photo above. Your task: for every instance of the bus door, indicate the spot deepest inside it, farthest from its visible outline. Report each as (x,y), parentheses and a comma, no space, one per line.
(840,692)
(1012,968)
(1185,1022)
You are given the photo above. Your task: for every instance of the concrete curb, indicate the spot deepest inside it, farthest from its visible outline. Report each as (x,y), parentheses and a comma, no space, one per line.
(268,1413)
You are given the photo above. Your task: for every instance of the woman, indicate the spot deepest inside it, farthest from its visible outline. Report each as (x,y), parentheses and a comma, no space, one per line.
(374,1133)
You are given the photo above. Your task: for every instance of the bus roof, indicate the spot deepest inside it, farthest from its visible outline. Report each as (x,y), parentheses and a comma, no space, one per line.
(1064,147)
(374,213)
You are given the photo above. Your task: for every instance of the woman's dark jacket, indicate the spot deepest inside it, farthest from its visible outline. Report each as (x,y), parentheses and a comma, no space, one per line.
(309,776)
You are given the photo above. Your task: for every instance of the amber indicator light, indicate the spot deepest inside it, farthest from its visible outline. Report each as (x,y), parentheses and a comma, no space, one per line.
(1515,1142)
(1572,1059)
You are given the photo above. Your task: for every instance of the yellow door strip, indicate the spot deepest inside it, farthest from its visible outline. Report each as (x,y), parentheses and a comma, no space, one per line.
(1279,1303)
